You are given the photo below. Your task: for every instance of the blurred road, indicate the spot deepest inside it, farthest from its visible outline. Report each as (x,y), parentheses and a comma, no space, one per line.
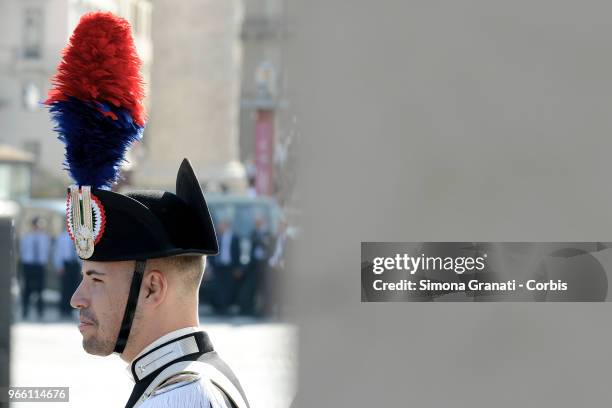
(50,354)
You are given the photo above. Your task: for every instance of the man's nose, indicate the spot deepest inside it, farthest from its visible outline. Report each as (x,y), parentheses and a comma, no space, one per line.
(79,299)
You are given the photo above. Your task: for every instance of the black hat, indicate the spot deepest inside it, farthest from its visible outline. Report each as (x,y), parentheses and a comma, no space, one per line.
(142,224)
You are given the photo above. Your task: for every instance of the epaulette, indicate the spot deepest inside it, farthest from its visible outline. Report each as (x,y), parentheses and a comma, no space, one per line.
(176,381)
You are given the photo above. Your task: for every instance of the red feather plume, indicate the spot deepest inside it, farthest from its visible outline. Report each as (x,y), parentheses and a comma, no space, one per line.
(101,64)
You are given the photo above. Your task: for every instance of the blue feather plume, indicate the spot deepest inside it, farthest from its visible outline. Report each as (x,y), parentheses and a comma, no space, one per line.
(96,143)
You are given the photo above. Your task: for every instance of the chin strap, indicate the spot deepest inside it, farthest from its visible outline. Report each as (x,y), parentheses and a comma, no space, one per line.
(130,307)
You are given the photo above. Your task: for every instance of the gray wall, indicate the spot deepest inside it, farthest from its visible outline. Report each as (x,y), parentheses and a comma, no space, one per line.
(449,120)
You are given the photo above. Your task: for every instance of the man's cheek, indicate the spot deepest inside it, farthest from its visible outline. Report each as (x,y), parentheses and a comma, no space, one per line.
(115,304)
(101,303)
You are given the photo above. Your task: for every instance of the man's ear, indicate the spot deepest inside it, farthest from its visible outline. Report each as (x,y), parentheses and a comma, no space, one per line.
(154,287)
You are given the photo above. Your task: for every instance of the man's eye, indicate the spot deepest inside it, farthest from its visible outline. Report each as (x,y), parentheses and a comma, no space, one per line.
(97,280)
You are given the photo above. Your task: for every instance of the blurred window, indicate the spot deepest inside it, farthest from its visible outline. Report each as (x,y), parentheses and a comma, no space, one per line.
(5,181)
(14,181)
(21,182)
(32,33)
(31,96)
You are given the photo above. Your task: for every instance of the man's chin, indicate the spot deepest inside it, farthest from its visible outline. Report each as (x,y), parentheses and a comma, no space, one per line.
(97,347)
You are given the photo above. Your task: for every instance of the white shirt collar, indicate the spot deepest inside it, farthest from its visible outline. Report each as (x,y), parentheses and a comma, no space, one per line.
(163,339)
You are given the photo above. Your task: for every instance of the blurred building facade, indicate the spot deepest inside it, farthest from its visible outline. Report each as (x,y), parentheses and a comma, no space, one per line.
(217,65)
(195,94)
(32,35)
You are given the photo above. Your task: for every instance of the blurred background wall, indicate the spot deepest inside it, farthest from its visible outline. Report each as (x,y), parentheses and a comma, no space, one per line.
(213,74)
(479,120)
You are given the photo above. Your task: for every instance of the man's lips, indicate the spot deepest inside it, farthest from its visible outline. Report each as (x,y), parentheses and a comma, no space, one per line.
(83,323)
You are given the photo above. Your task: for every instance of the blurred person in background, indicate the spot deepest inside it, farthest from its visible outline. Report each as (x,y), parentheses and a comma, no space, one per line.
(68,267)
(276,271)
(226,267)
(34,251)
(251,190)
(256,270)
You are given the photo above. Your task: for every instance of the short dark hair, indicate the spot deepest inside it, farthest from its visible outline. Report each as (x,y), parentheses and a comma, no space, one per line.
(189,267)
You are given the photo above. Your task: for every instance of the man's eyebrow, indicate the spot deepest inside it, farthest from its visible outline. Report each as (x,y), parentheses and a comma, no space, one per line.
(92,272)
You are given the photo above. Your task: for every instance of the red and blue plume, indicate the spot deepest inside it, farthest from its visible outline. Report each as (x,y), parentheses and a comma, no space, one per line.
(96,99)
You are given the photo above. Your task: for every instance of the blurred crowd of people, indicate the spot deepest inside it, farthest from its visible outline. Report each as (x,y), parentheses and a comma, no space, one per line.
(249,288)
(235,282)
(36,249)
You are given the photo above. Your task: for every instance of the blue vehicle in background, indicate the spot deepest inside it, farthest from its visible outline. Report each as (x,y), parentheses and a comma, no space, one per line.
(241,212)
